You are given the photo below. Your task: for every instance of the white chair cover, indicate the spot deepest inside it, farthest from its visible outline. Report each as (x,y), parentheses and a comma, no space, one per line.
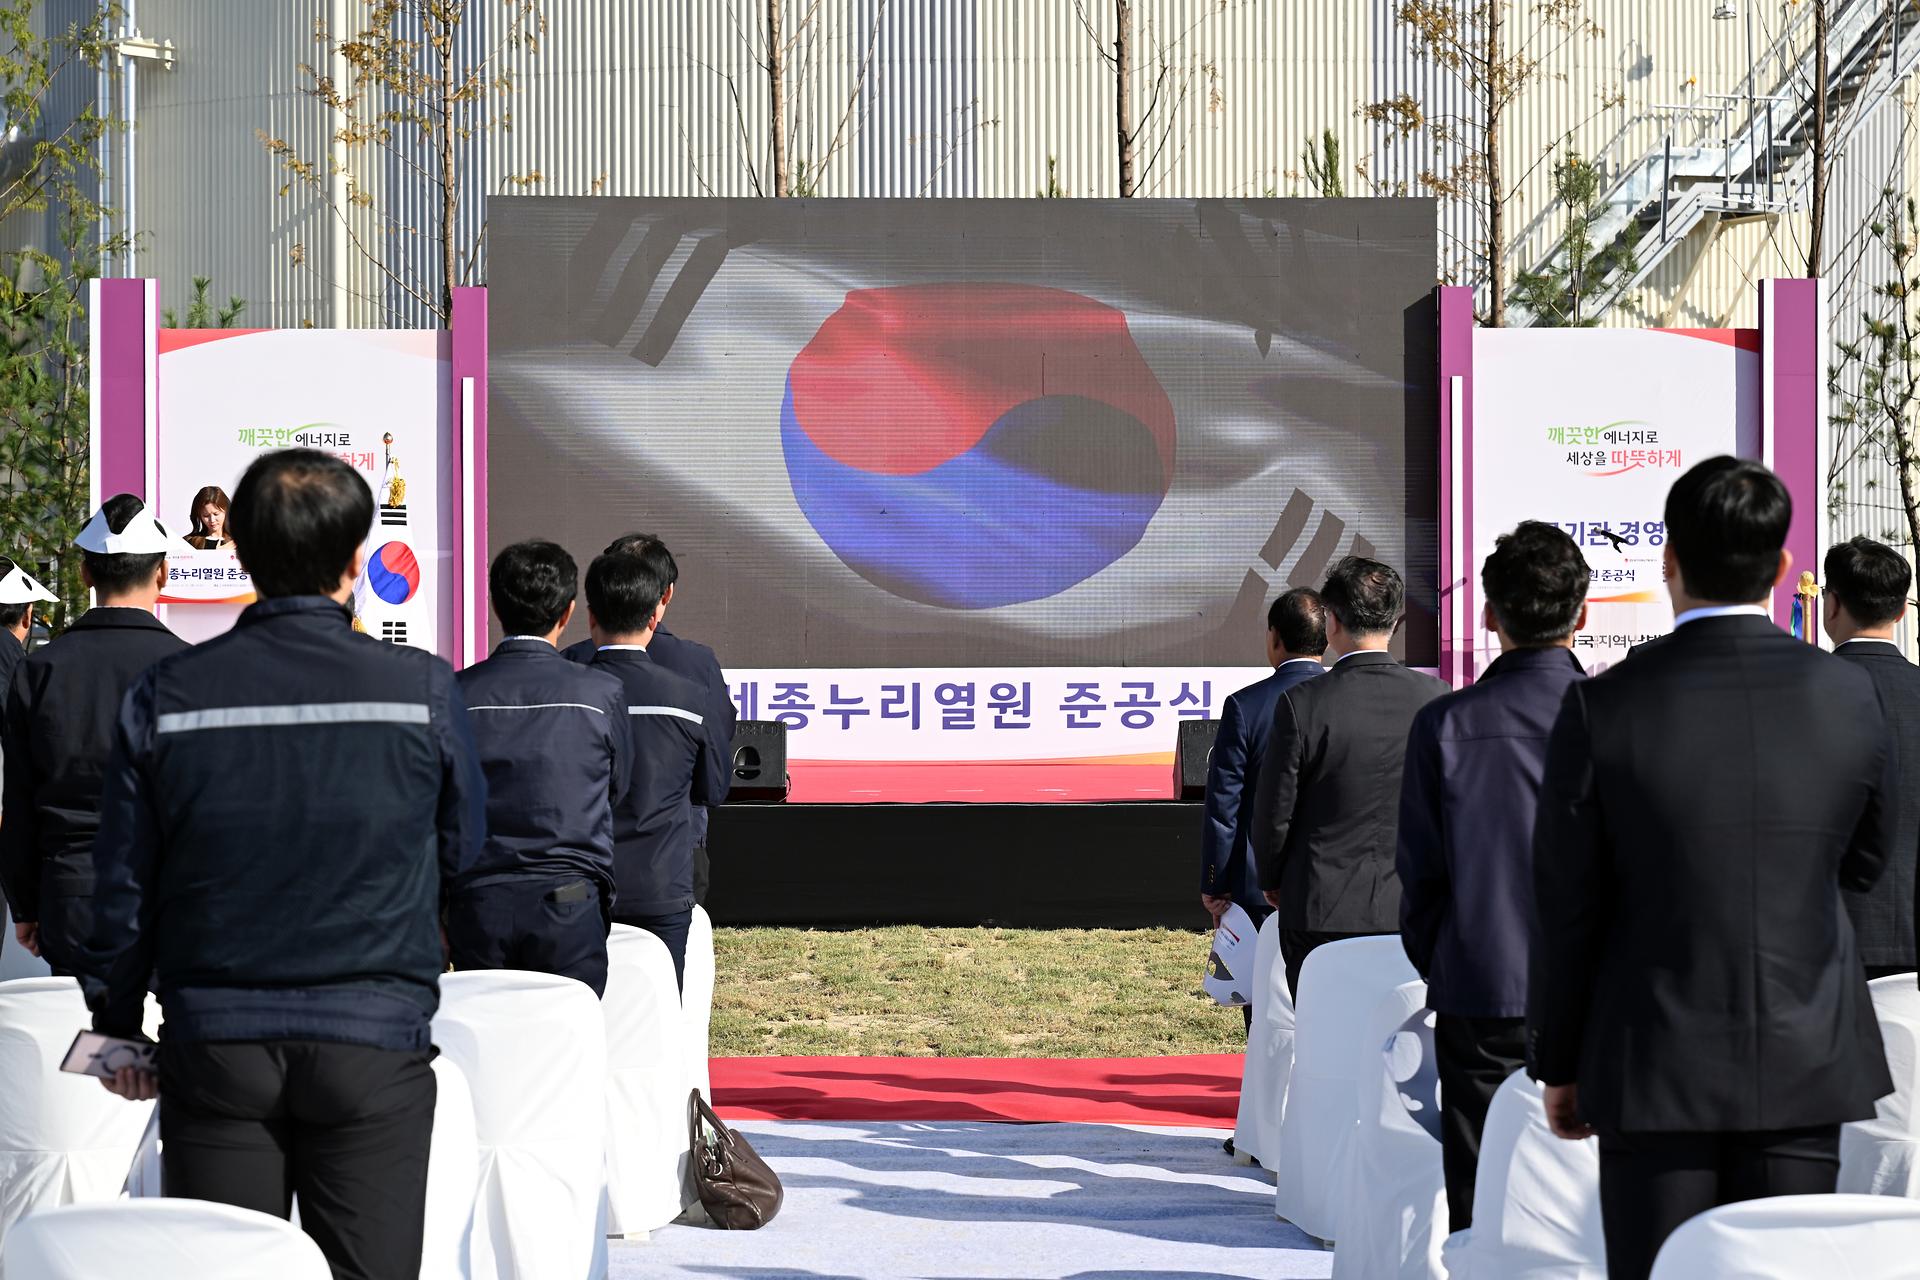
(160,1240)
(1269,1063)
(533,1048)
(1797,1238)
(1881,1156)
(1340,985)
(1536,1200)
(697,1000)
(1392,1216)
(63,1138)
(453,1176)
(15,960)
(649,1176)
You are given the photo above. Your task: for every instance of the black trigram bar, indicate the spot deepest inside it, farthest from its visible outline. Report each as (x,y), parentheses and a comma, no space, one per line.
(394,515)
(394,632)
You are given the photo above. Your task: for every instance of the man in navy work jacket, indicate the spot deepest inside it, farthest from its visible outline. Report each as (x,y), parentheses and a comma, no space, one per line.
(675,766)
(58,731)
(553,742)
(1296,637)
(1467,802)
(696,662)
(283,807)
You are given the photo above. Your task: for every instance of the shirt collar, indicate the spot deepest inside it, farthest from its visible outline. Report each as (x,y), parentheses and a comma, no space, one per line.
(535,639)
(1721,611)
(1371,655)
(278,606)
(1294,662)
(117,615)
(622,648)
(1891,644)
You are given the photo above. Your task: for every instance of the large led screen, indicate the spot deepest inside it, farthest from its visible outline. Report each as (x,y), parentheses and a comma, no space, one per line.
(982,498)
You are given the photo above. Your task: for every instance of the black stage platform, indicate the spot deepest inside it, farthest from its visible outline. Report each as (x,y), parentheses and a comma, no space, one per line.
(1030,866)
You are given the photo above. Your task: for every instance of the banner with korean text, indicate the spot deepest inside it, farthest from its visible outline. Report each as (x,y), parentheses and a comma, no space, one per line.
(1588,429)
(376,398)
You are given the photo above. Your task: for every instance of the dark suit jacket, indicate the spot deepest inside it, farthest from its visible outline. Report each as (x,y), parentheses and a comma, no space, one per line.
(1694,969)
(1329,797)
(1474,761)
(1233,779)
(1883,916)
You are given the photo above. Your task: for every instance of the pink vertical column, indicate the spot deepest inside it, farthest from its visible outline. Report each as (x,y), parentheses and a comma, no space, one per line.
(1793,417)
(121,391)
(1456,485)
(469,374)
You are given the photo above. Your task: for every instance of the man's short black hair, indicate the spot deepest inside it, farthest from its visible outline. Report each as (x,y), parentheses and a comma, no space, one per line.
(298,519)
(1535,580)
(1365,595)
(1727,520)
(1869,579)
(1299,620)
(115,575)
(624,590)
(10,614)
(531,584)
(650,546)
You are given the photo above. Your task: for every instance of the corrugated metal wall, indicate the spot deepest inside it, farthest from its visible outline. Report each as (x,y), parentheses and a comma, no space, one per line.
(960,98)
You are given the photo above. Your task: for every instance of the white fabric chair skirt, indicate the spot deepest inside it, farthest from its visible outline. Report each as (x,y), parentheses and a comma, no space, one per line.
(1881,1156)
(160,1240)
(453,1177)
(1536,1200)
(1797,1238)
(1269,1062)
(63,1138)
(1392,1214)
(1340,987)
(649,1176)
(533,1048)
(697,1001)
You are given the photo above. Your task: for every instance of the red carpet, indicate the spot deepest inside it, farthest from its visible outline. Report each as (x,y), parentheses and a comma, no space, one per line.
(1198,1090)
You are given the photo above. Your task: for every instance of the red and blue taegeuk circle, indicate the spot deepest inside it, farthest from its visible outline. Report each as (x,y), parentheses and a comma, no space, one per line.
(976,445)
(393,573)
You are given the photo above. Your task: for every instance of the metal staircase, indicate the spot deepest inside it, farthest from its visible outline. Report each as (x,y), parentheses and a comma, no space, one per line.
(1750,155)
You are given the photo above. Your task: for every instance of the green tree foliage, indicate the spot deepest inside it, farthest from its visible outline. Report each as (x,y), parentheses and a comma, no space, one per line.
(1323,166)
(46,171)
(1874,384)
(201,313)
(1560,292)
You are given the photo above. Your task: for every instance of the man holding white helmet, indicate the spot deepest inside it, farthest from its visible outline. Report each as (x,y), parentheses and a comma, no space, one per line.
(57,731)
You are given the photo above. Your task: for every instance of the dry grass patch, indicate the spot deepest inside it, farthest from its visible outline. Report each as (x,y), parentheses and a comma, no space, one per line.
(911,992)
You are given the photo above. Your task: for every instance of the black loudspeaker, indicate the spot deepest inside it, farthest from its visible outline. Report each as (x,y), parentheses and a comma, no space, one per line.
(1190,758)
(759,762)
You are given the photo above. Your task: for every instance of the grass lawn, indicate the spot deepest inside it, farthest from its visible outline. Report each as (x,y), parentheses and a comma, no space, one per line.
(991,993)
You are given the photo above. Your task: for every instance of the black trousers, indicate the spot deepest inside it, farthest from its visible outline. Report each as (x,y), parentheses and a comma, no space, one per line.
(671,929)
(344,1127)
(702,872)
(1650,1183)
(1475,1057)
(1297,944)
(546,926)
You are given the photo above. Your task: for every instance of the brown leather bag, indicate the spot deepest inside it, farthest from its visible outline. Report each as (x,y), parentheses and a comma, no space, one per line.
(736,1187)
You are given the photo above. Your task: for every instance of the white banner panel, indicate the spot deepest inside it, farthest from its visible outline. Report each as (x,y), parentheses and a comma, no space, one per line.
(982,714)
(377,398)
(1588,429)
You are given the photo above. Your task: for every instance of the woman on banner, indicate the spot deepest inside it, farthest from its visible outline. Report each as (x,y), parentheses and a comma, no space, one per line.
(209,532)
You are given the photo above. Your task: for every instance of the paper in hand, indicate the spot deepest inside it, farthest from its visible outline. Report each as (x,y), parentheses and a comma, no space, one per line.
(1229,977)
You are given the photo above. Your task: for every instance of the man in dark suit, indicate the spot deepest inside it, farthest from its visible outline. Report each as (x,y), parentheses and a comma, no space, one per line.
(1328,802)
(1696,996)
(1867,585)
(694,661)
(1296,637)
(1466,834)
